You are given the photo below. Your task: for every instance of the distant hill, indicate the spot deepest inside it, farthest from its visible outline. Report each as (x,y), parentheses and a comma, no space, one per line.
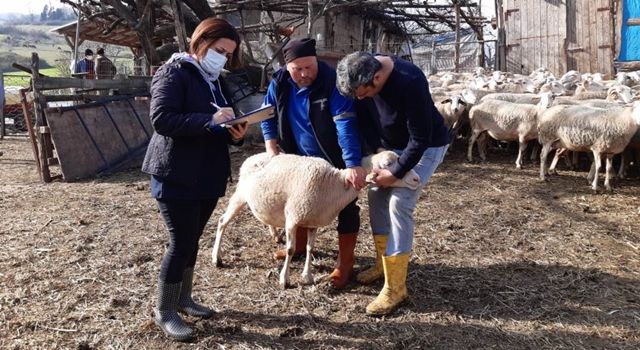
(17,42)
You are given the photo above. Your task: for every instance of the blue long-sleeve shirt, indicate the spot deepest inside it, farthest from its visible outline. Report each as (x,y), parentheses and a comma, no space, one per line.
(341,108)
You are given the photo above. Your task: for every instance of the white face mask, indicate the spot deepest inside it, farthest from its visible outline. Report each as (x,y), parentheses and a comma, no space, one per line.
(213,62)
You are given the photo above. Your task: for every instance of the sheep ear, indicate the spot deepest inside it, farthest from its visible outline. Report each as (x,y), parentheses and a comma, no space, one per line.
(614,94)
(463,102)
(445,101)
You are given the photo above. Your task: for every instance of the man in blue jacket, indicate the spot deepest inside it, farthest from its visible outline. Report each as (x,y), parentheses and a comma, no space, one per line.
(397,114)
(313,119)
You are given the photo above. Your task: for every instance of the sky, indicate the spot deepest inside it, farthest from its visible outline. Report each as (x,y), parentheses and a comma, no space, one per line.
(26,6)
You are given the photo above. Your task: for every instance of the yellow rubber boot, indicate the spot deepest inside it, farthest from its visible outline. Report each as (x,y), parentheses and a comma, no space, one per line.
(394,291)
(376,271)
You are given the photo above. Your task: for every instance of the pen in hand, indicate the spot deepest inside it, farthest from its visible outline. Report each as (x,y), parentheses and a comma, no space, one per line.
(222,115)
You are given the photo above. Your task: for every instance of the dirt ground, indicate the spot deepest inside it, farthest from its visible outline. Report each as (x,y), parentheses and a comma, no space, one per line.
(500,261)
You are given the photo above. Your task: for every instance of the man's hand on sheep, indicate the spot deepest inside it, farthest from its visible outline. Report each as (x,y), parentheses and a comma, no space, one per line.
(382,177)
(271,147)
(356,178)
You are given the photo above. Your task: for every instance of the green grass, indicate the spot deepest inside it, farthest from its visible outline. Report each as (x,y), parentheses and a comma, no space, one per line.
(22,78)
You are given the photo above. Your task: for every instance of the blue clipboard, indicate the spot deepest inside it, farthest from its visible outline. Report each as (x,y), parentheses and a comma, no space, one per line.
(255,116)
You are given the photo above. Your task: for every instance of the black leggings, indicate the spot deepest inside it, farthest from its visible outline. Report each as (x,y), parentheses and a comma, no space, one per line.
(185,221)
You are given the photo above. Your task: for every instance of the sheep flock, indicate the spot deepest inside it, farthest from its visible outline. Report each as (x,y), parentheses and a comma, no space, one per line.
(572,114)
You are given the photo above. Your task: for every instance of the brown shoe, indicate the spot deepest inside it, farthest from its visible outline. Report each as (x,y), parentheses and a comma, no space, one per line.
(301,245)
(344,265)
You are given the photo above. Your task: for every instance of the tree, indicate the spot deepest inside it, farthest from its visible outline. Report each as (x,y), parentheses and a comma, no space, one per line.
(44,14)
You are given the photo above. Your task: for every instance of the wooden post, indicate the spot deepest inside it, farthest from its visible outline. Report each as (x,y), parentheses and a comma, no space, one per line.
(244,37)
(481,38)
(433,69)
(309,17)
(41,121)
(456,56)
(76,43)
(501,44)
(32,135)
(181,32)
(2,126)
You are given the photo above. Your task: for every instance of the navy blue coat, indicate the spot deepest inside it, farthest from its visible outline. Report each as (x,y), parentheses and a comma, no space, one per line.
(186,154)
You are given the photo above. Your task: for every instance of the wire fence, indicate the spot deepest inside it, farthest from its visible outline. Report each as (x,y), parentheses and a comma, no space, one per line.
(441,57)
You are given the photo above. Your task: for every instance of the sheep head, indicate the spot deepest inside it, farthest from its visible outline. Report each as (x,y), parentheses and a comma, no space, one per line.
(384,160)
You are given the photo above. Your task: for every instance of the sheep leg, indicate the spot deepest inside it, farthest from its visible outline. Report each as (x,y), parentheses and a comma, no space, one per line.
(568,155)
(521,149)
(236,203)
(622,171)
(472,140)
(596,168)
(534,151)
(609,170)
(483,142)
(275,234)
(556,157)
(575,159)
(591,171)
(291,243)
(546,148)
(307,275)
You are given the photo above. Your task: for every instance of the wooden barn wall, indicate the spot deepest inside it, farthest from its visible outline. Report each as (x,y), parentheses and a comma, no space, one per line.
(560,35)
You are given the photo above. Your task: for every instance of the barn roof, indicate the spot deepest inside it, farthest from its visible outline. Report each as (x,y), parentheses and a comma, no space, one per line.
(110,29)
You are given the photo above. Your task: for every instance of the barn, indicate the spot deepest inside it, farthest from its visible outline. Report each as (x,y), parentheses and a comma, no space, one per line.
(587,36)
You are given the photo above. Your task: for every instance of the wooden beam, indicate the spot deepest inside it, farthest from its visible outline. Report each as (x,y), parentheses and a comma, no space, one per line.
(2,126)
(45,175)
(633,22)
(32,135)
(64,83)
(456,56)
(181,33)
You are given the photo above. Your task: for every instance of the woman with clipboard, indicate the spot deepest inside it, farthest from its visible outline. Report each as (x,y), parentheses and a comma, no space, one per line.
(188,160)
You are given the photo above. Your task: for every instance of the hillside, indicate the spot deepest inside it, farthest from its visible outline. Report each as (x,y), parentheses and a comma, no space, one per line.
(17,42)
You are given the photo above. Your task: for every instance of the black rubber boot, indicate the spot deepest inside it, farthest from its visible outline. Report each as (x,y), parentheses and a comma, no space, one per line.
(166,315)
(185,303)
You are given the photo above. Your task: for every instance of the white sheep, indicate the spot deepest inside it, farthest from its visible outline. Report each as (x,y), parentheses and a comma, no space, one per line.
(506,121)
(524,98)
(615,95)
(291,191)
(451,109)
(604,132)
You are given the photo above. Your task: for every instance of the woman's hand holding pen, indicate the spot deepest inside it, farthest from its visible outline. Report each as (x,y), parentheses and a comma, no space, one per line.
(222,115)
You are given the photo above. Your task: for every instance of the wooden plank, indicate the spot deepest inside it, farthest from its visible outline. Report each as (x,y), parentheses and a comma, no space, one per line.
(583,35)
(603,45)
(570,34)
(456,55)
(41,120)
(2,126)
(633,22)
(561,24)
(553,33)
(181,32)
(542,29)
(542,47)
(593,36)
(90,140)
(617,38)
(65,83)
(515,52)
(524,37)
